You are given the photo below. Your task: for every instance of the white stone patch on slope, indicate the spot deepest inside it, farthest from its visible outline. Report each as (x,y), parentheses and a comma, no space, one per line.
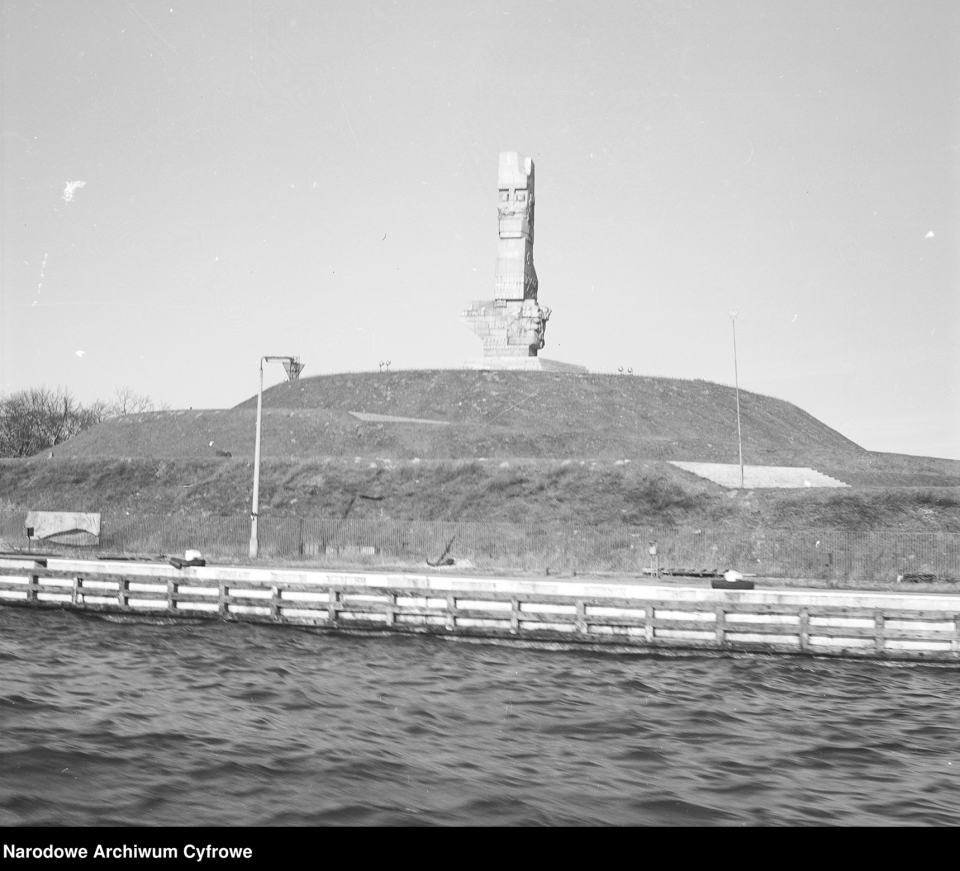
(524,364)
(389,418)
(757,477)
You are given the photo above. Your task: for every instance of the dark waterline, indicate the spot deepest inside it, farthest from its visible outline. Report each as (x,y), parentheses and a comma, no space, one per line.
(223,724)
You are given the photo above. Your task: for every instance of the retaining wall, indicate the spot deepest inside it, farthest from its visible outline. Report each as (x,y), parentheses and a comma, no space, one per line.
(640,616)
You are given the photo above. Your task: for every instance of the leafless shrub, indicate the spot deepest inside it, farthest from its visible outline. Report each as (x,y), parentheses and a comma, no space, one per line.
(39,418)
(125,401)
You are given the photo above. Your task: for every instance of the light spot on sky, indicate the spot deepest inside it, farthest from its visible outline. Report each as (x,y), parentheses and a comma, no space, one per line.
(80,353)
(929,235)
(42,267)
(70,188)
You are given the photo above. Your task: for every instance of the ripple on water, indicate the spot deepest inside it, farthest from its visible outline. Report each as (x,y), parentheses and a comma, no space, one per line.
(118,724)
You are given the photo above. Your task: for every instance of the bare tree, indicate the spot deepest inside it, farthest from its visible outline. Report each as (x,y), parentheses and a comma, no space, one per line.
(127,402)
(97,412)
(39,418)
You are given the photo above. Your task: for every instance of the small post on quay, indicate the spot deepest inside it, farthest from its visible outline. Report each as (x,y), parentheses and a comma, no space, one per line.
(293,367)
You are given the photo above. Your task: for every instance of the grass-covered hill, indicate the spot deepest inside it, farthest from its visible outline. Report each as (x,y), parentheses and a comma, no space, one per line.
(516,446)
(516,491)
(489,414)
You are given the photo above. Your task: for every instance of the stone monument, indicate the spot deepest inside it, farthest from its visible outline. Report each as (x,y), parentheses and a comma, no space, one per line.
(512,324)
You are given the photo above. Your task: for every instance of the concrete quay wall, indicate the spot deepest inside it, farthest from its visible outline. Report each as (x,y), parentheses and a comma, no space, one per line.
(641,616)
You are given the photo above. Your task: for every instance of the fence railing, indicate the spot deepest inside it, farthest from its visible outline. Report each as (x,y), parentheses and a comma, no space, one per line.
(559,547)
(849,623)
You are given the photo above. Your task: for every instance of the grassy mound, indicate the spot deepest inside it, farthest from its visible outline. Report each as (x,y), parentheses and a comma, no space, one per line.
(489,414)
(524,491)
(516,446)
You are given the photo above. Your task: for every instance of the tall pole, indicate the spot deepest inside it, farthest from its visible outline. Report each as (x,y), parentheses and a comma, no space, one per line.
(254,540)
(736,381)
(293,367)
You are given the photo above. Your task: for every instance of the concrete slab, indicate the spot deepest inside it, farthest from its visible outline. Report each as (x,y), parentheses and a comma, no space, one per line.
(389,418)
(757,477)
(524,364)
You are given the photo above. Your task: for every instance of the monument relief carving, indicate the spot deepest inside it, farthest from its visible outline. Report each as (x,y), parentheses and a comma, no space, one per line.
(512,325)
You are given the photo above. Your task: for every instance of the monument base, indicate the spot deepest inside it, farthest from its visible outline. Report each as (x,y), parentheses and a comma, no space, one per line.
(524,364)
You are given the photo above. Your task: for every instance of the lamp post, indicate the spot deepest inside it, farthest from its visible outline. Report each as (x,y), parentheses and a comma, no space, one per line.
(736,381)
(294,367)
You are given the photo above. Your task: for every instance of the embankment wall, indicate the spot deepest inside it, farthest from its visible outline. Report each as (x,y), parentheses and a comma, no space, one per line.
(636,616)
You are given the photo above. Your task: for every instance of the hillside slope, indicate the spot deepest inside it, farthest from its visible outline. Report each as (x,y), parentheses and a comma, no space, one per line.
(516,491)
(490,414)
(515,446)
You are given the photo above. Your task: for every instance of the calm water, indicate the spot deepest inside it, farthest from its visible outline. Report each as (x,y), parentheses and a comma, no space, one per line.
(105,723)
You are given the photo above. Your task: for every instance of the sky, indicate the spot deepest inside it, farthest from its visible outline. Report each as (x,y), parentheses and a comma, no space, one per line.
(189,186)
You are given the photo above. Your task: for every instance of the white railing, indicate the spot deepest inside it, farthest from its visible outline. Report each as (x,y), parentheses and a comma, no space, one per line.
(635,615)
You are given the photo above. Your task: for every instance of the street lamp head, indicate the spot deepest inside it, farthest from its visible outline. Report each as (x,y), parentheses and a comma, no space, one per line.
(733,313)
(292,365)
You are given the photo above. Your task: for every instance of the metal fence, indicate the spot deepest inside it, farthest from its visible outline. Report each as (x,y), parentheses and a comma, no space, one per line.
(828,554)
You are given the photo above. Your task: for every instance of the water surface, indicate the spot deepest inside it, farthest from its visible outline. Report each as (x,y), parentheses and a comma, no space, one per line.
(106,723)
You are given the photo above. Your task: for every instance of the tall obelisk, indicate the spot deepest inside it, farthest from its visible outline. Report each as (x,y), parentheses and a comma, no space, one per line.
(512,324)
